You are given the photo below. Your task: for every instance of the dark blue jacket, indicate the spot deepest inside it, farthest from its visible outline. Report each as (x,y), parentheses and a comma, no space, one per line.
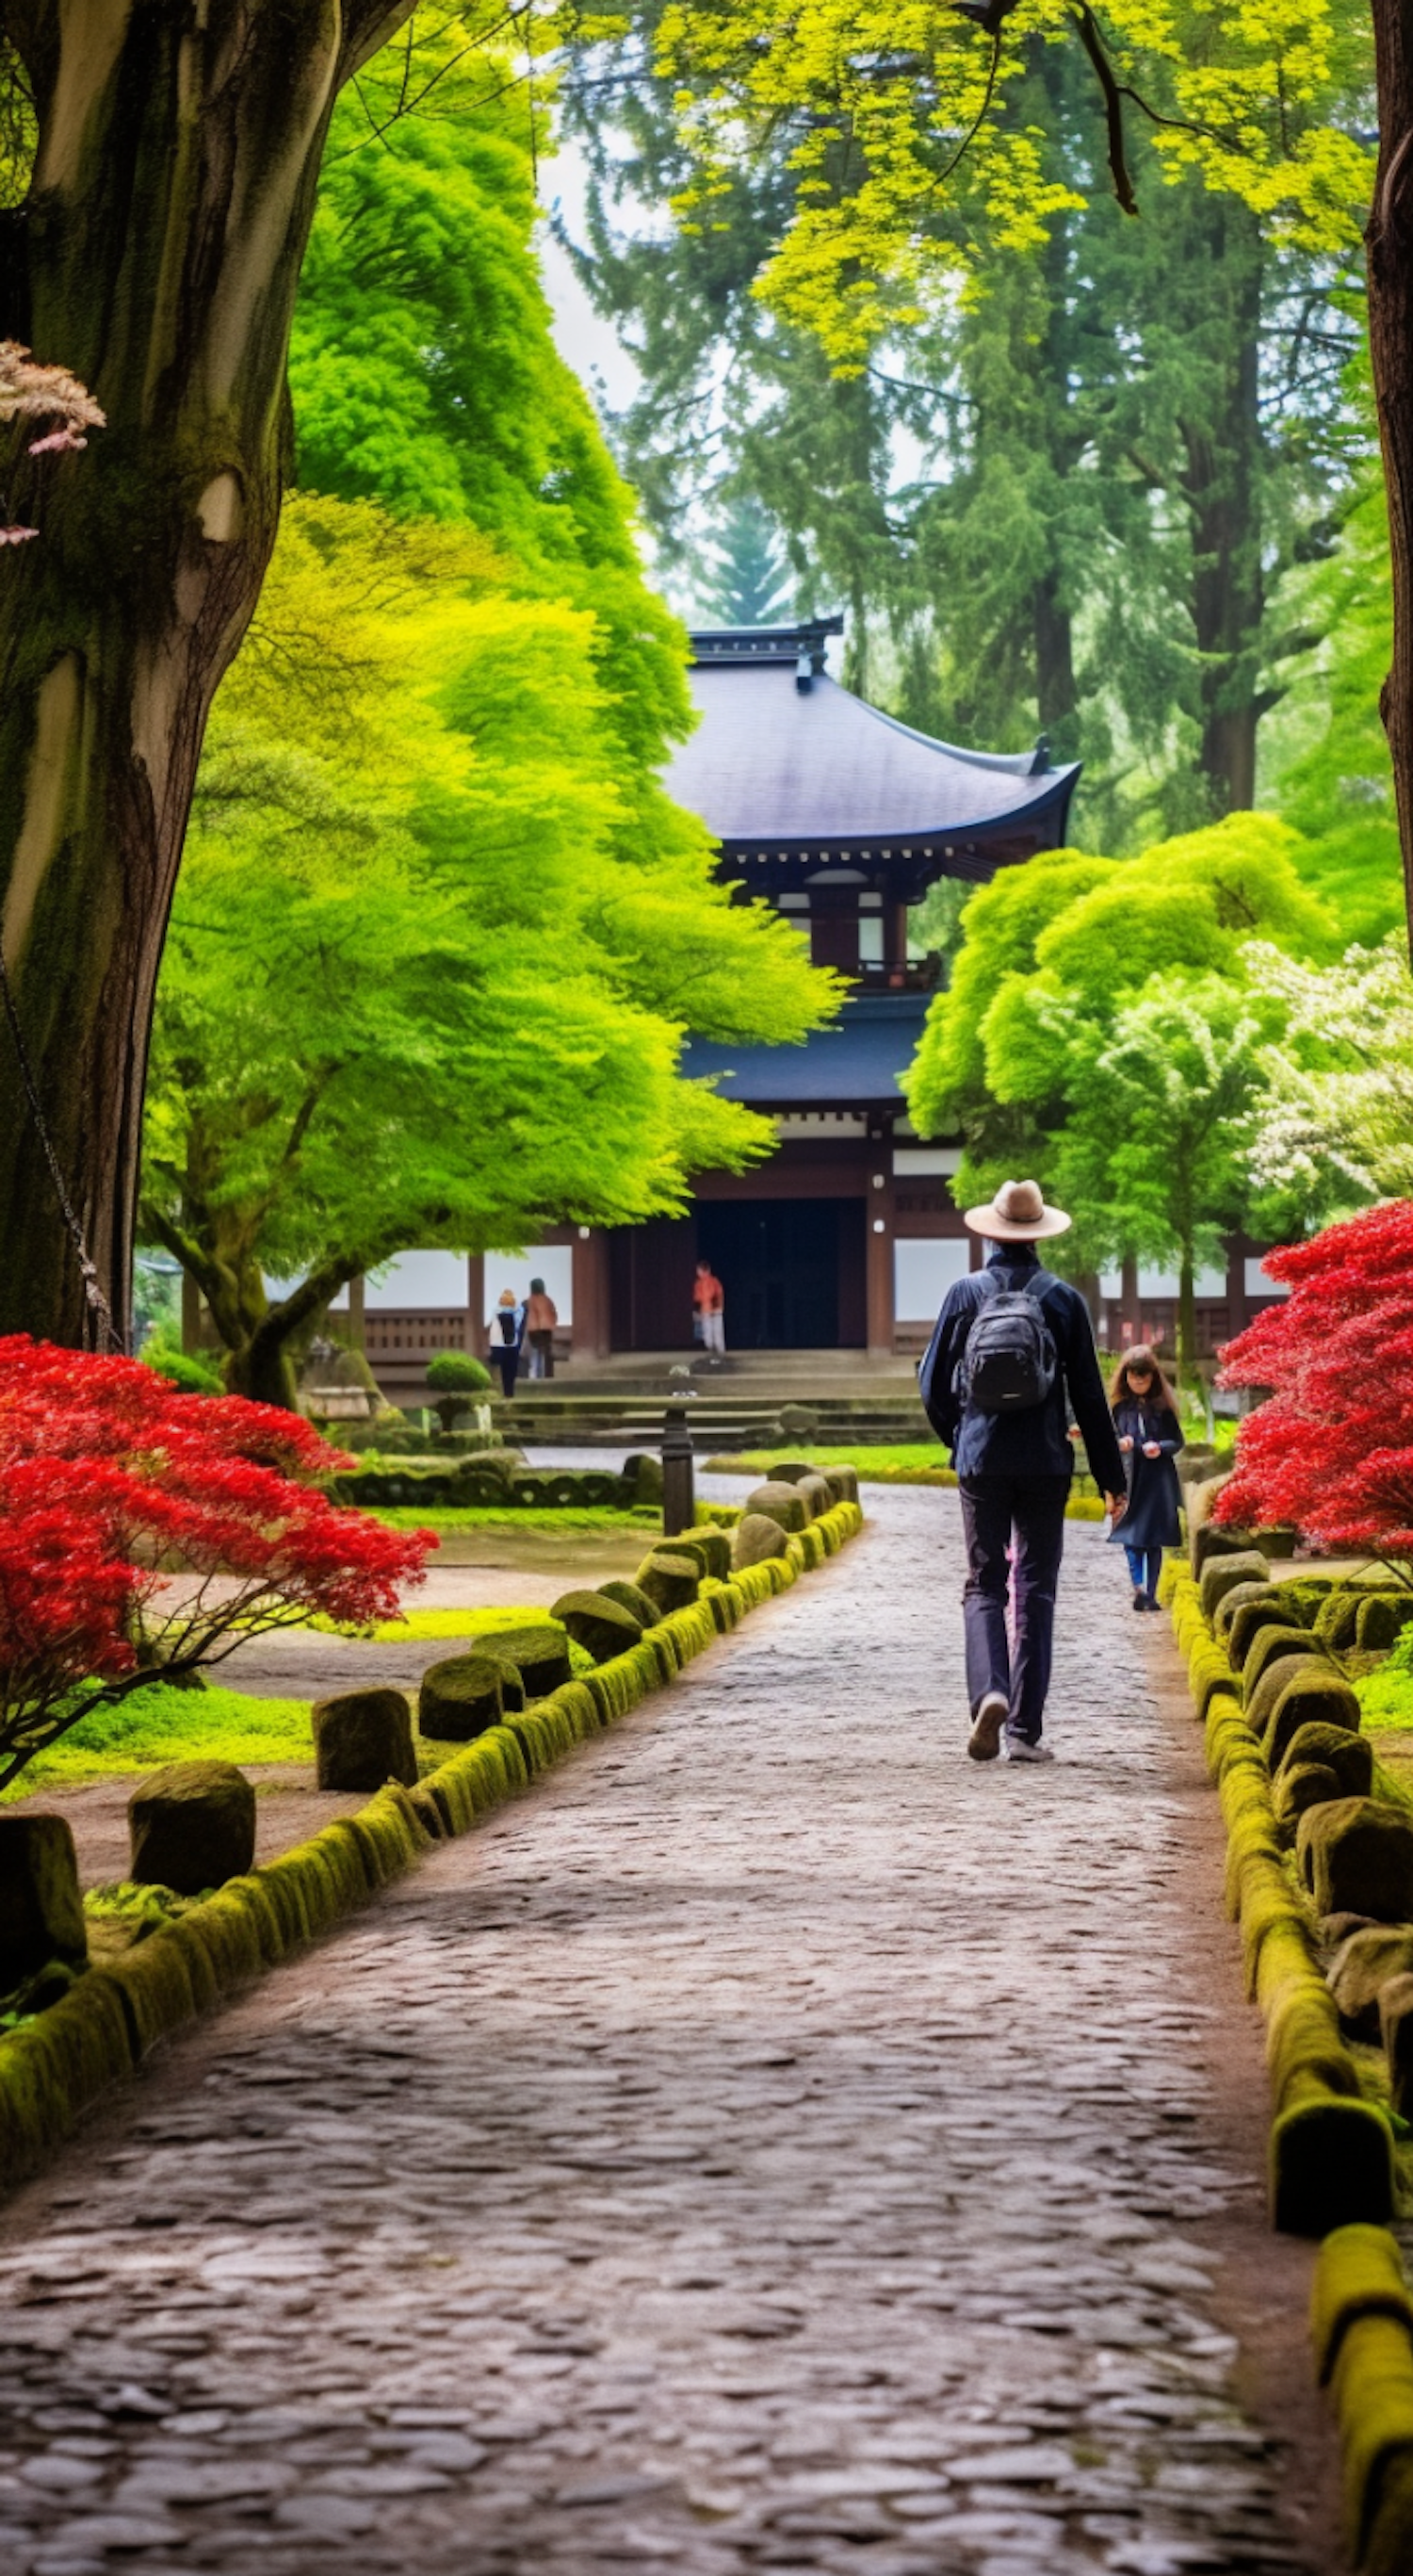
(1151,1520)
(1035,1442)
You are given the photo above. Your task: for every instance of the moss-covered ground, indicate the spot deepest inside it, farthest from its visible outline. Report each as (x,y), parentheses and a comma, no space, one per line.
(160,1725)
(1386,1695)
(490,1522)
(909,1463)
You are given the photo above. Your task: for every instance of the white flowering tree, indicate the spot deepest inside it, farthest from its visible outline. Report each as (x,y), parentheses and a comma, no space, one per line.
(1334,1122)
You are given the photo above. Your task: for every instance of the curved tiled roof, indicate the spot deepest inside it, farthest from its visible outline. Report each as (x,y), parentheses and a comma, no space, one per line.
(774,761)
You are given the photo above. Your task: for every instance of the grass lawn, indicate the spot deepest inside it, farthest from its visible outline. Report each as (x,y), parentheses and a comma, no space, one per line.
(160,1725)
(1386,1696)
(908,1463)
(491,1520)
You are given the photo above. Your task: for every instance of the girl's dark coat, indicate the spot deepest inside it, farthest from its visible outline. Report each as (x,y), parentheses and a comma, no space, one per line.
(1152,1516)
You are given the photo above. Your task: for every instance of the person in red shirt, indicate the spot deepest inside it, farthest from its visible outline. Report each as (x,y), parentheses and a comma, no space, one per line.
(709,1305)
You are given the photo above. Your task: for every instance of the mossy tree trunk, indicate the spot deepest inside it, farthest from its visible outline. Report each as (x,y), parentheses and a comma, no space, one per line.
(157,256)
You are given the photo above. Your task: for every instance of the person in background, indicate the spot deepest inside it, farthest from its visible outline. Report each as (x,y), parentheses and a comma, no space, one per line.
(505,1332)
(709,1307)
(1011,1344)
(1145,1415)
(541,1317)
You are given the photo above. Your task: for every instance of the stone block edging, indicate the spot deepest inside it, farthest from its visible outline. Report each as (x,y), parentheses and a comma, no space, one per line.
(55,2067)
(1331,2152)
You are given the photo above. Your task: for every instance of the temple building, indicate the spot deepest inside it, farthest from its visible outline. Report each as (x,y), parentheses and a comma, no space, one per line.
(846,1237)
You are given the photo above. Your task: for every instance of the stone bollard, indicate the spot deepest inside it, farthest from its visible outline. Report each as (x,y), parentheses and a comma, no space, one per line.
(362,1739)
(41,1905)
(679,1503)
(192,1827)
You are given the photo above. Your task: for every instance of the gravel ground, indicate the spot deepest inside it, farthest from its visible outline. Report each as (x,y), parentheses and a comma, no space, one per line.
(774,2144)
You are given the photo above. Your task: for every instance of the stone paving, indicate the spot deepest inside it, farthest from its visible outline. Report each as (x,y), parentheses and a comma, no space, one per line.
(776,2144)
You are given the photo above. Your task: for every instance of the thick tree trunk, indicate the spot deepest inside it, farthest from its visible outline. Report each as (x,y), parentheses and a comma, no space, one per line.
(1221,484)
(158,257)
(1390,273)
(1187,1319)
(1056,696)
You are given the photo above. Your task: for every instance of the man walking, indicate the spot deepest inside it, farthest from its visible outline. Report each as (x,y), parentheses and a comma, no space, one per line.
(1011,1344)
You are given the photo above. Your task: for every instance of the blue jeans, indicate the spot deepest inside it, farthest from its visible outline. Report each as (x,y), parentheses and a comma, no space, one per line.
(1145,1565)
(1015,1533)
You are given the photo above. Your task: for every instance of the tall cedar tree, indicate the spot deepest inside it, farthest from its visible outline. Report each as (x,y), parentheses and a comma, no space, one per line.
(1129,435)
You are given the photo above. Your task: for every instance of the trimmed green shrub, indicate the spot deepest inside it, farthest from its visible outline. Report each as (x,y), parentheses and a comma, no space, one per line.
(455,1379)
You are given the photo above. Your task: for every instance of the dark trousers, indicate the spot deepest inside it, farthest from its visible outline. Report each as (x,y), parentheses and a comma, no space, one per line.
(1145,1565)
(506,1357)
(1015,1534)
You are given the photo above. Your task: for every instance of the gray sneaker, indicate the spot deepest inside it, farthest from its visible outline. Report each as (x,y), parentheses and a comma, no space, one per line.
(988,1726)
(1018,1749)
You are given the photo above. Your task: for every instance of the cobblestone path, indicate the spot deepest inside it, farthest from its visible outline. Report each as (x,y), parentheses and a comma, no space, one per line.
(776,2144)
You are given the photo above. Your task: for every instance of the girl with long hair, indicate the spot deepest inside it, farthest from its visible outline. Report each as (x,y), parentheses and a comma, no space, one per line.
(1145,1414)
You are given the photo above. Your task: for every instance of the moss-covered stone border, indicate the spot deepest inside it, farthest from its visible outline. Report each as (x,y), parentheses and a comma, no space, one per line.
(55,2067)
(1331,2152)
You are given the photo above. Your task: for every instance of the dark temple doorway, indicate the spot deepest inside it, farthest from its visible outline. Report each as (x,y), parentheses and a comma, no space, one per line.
(788,1268)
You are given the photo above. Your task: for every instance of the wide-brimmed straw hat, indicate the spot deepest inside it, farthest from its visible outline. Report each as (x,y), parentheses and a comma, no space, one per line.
(1017,1214)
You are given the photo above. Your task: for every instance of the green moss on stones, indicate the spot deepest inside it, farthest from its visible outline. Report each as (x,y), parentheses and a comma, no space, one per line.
(603,1628)
(671,1581)
(632,1598)
(1331,2164)
(362,1738)
(1270,1642)
(1356,1857)
(1314,1696)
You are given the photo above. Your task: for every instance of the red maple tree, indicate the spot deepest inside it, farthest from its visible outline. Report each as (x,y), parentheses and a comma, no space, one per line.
(1331,1451)
(139,1524)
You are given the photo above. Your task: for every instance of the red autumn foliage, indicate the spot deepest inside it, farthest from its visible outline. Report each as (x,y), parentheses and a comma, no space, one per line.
(111,1482)
(1332,1450)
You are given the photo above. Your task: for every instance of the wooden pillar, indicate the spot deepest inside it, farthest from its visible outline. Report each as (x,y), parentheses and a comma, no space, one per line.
(476,1302)
(895,933)
(592,1340)
(879,1219)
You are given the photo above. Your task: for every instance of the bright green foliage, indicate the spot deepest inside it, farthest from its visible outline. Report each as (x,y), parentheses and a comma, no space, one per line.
(1339,793)
(440,933)
(1100,1032)
(1151,1158)
(904,153)
(433,945)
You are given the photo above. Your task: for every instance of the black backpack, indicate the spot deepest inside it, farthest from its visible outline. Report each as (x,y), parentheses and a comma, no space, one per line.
(1009,1363)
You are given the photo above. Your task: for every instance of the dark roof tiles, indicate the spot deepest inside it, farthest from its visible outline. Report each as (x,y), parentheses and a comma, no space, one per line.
(774,763)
